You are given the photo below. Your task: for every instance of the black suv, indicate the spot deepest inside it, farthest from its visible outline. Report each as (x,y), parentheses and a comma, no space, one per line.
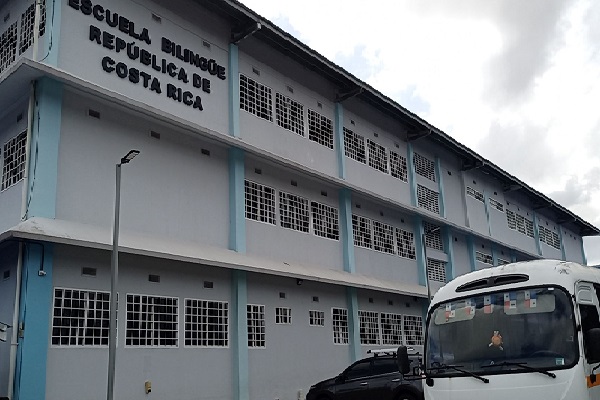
(375,377)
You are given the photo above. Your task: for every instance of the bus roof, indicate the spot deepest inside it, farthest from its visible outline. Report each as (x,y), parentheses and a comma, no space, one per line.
(527,273)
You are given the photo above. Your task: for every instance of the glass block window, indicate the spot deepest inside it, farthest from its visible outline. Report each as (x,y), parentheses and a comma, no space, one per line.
(260,202)
(325,220)
(433,236)
(377,156)
(27,26)
(484,258)
(424,167)
(413,330)
(289,114)
(316,318)
(354,146)
(361,228)
(80,318)
(502,261)
(405,242)
(8,46)
(528,227)
(256,325)
(13,164)
(256,98)
(152,321)
(339,318)
(293,212)
(391,329)
(428,199)
(477,195)
(369,327)
(398,167)
(283,315)
(383,237)
(206,323)
(436,270)
(511,219)
(496,204)
(320,129)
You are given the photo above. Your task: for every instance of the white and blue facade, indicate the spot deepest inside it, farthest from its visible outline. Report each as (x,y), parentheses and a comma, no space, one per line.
(271,227)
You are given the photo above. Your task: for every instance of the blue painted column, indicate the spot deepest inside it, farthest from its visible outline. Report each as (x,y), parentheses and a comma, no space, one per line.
(438,172)
(536,234)
(420,250)
(494,255)
(513,256)
(234,91)
(412,176)
(353,324)
(449,246)
(237,216)
(563,252)
(486,203)
(471,251)
(346,232)
(50,42)
(583,257)
(339,139)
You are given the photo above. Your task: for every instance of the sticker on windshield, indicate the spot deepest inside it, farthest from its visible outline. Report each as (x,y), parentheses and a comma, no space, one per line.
(560,361)
(530,299)
(488,304)
(510,300)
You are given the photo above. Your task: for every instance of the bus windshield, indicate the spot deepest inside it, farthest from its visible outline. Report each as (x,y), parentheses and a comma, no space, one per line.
(502,332)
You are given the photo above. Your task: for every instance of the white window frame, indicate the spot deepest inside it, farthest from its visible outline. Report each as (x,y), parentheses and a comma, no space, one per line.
(257,338)
(205,323)
(341,331)
(154,323)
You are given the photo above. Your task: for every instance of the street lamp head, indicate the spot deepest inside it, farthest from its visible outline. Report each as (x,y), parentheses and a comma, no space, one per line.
(129,156)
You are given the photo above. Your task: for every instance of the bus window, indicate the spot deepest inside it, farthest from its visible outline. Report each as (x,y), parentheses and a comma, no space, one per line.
(589,320)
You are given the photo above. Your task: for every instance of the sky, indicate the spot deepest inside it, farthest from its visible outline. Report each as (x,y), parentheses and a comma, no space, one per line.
(516,81)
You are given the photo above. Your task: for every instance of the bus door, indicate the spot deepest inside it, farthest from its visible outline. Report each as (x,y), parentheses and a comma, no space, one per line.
(589,311)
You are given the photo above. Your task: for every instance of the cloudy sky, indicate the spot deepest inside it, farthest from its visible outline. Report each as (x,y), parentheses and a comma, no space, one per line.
(516,81)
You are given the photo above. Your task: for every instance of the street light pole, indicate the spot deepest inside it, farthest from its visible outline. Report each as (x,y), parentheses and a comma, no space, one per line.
(114,273)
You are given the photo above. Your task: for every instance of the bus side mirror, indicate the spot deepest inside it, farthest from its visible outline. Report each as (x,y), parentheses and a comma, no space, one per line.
(403,361)
(593,345)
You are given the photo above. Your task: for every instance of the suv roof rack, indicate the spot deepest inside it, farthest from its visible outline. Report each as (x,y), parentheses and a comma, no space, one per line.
(386,352)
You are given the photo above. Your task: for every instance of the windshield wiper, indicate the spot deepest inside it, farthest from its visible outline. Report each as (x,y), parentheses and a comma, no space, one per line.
(522,365)
(464,371)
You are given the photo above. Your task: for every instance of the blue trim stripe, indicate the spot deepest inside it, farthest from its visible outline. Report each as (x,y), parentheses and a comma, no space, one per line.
(412,181)
(346,232)
(339,139)
(234,91)
(438,171)
(353,324)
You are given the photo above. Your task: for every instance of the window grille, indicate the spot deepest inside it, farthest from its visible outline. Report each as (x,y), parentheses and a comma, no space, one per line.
(496,204)
(413,330)
(206,323)
(293,212)
(477,195)
(283,315)
(383,237)
(549,237)
(398,167)
(369,327)
(152,321)
(511,219)
(316,318)
(428,199)
(436,270)
(256,325)
(433,236)
(256,98)
(289,114)
(484,258)
(377,156)
(361,228)
(354,146)
(424,166)
(80,318)
(391,329)
(556,240)
(528,227)
(27,26)
(8,46)
(502,261)
(339,317)
(521,224)
(260,202)
(325,220)
(14,160)
(405,242)
(320,129)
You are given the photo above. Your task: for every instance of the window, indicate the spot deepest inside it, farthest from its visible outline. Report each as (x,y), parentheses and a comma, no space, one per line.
(354,146)
(477,195)
(283,315)
(293,212)
(484,258)
(413,330)
(496,204)
(325,220)
(80,318)
(377,156)
(256,98)
(436,270)
(502,261)
(398,167)
(152,321)
(511,220)
(549,237)
(360,370)
(316,318)
(405,241)
(289,114)
(256,325)
(206,323)
(14,160)
(320,129)
(433,236)
(361,228)
(383,237)
(391,329)
(339,317)
(384,366)
(260,202)
(428,199)
(529,227)
(8,46)
(369,327)
(424,167)
(519,223)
